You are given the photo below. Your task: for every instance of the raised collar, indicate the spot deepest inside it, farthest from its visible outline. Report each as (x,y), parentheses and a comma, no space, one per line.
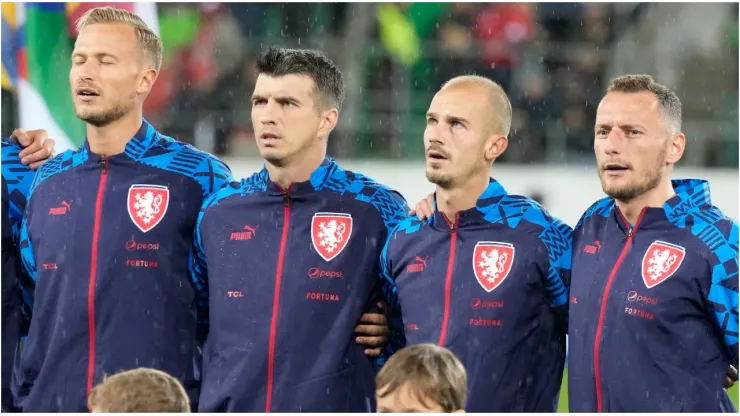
(139,143)
(692,195)
(484,211)
(319,177)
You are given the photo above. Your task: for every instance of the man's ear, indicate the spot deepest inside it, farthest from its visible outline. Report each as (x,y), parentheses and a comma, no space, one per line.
(676,147)
(329,119)
(496,145)
(147,81)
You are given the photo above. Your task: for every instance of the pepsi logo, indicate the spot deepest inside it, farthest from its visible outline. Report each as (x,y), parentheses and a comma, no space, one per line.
(316,273)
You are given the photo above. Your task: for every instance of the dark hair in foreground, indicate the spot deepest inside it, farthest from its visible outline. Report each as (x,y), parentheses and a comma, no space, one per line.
(430,371)
(669,102)
(329,90)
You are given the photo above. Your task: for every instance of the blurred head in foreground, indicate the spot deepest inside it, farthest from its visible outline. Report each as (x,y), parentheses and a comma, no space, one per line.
(468,123)
(115,63)
(637,137)
(142,390)
(295,104)
(422,378)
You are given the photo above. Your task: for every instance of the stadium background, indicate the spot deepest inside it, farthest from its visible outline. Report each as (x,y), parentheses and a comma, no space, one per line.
(555,60)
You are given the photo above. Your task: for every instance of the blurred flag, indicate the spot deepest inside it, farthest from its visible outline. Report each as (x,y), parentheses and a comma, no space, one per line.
(44,60)
(397,34)
(9,47)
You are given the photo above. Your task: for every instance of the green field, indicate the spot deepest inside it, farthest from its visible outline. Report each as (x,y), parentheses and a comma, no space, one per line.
(563,404)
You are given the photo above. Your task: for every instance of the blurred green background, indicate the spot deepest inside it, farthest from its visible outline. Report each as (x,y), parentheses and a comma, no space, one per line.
(563,404)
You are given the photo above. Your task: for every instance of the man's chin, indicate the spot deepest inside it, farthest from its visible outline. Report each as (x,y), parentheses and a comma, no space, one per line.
(438,178)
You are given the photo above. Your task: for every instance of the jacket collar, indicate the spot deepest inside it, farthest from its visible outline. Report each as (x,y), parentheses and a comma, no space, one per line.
(692,195)
(135,148)
(485,211)
(318,179)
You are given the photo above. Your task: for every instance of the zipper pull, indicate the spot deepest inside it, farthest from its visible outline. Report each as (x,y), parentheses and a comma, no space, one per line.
(104,164)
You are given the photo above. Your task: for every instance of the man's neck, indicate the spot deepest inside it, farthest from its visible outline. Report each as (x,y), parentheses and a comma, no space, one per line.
(655,198)
(459,198)
(298,169)
(112,138)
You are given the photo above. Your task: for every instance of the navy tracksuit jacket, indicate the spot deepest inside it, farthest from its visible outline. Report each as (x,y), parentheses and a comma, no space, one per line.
(654,307)
(107,242)
(491,286)
(290,272)
(16,180)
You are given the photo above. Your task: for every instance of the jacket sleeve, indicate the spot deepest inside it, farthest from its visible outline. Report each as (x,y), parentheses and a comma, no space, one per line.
(27,281)
(213,175)
(199,274)
(397,337)
(723,290)
(557,239)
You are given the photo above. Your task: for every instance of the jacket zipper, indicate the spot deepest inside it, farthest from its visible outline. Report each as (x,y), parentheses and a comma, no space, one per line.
(276,300)
(605,298)
(94,272)
(448,279)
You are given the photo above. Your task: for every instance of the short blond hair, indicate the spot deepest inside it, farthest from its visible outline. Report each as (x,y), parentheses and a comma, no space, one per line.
(142,390)
(149,41)
(670,104)
(429,371)
(500,103)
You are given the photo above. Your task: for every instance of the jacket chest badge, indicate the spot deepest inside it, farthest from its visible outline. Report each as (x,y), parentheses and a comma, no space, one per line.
(492,262)
(330,233)
(147,205)
(660,262)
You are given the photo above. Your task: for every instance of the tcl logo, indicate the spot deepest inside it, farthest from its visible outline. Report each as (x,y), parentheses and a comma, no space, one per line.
(235,294)
(633,296)
(132,245)
(316,273)
(476,303)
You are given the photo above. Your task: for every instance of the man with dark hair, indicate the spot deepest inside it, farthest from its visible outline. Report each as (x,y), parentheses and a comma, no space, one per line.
(654,292)
(290,256)
(422,378)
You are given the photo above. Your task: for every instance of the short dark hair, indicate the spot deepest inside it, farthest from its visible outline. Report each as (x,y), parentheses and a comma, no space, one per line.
(430,371)
(327,77)
(668,101)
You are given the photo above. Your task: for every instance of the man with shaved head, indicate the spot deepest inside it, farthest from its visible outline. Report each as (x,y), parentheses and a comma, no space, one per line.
(483,273)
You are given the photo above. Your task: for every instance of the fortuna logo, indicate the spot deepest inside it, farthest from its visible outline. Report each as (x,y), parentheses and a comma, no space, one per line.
(492,262)
(147,205)
(661,260)
(330,233)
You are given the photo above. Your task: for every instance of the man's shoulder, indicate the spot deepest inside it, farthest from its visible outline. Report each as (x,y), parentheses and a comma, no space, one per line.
(13,171)
(175,156)
(247,186)
(525,214)
(389,203)
(60,163)
(717,231)
(598,210)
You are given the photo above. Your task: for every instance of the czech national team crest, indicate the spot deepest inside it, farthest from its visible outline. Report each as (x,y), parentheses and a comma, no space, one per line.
(147,205)
(661,260)
(492,263)
(330,233)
